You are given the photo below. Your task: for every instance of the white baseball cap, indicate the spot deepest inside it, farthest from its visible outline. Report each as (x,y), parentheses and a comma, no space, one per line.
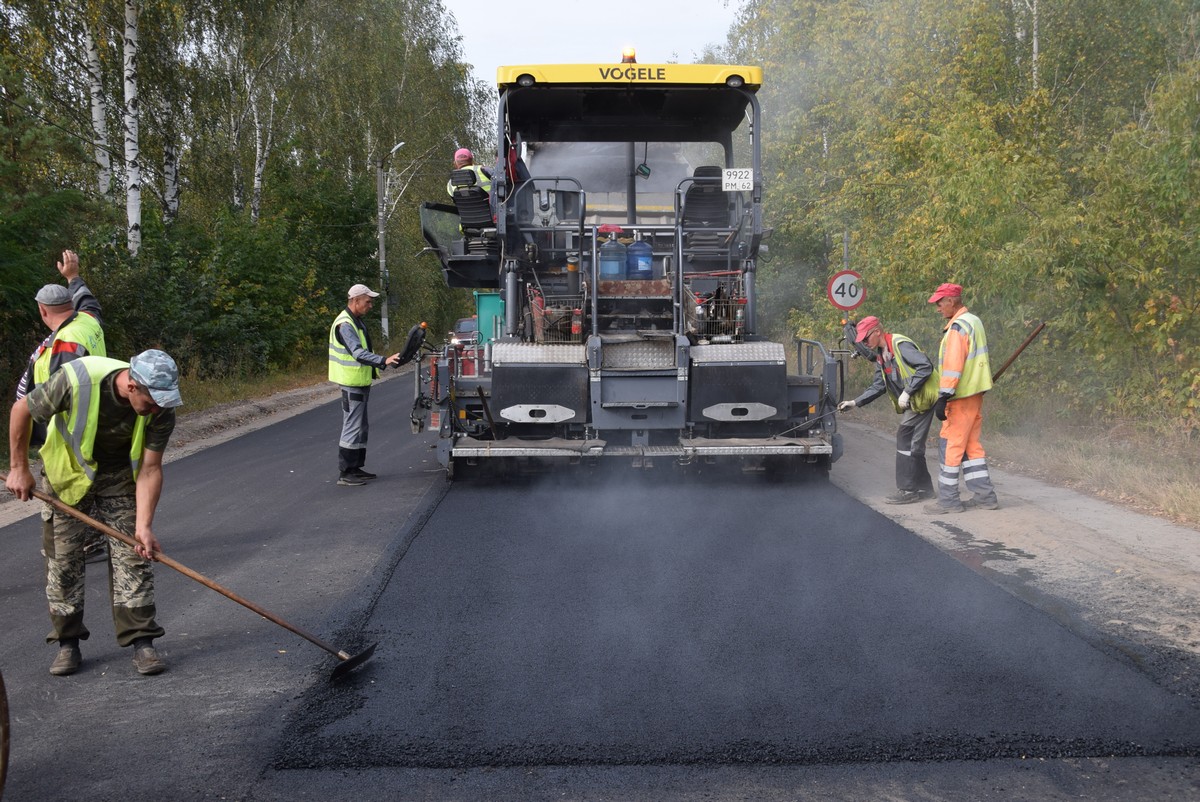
(361,289)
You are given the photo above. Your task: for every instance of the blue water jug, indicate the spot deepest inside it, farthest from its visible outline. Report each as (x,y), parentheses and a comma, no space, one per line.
(639,261)
(612,260)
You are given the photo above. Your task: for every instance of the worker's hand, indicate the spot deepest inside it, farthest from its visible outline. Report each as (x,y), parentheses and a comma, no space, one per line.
(846,406)
(69,266)
(939,407)
(393,360)
(903,400)
(147,547)
(20,482)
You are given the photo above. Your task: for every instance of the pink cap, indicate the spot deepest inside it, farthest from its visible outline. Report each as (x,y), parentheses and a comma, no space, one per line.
(865,326)
(946,291)
(463,154)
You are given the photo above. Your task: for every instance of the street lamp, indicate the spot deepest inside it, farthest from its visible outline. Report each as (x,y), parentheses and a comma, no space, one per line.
(381,223)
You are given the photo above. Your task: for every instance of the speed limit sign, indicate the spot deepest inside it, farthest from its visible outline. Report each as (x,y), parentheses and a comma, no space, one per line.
(846,290)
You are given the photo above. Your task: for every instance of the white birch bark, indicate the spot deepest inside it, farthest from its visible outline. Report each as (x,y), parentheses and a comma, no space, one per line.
(263,135)
(99,118)
(1031,7)
(133,170)
(236,118)
(171,189)
(1033,66)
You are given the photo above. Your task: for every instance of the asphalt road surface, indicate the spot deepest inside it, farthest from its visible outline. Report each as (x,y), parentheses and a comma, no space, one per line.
(576,636)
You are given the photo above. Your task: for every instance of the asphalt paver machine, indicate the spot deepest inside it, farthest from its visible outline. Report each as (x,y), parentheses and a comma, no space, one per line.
(614,262)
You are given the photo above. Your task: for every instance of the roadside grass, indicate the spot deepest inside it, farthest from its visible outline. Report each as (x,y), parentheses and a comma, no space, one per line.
(202,394)
(1137,465)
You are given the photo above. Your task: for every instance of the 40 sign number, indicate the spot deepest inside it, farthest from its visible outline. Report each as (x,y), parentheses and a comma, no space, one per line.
(846,290)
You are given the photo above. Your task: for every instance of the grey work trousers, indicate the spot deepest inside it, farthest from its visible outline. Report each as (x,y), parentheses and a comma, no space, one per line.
(912,473)
(352,445)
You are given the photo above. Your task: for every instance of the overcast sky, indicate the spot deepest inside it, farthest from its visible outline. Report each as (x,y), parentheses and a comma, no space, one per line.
(577,32)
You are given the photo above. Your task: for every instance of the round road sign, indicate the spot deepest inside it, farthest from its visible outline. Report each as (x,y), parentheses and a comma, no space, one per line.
(846,290)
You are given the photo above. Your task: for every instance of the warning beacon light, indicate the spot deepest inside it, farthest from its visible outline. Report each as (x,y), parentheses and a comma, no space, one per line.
(629,55)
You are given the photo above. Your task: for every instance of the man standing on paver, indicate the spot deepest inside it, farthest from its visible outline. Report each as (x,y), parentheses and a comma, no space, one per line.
(102,456)
(966,376)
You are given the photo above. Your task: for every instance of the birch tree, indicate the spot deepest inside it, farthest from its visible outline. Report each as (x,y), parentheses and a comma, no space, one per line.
(1021,8)
(264,131)
(133,170)
(102,146)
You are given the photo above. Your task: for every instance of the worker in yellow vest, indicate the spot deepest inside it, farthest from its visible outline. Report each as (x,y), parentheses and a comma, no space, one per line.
(905,374)
(464,159)
(104,457)
(72,314)
(966,376)
(353,366)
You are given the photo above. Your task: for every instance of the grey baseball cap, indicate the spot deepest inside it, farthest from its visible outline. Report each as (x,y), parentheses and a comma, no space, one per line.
(159,374)
(53,295)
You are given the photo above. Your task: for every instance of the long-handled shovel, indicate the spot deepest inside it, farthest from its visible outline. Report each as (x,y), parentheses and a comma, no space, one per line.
(348,661)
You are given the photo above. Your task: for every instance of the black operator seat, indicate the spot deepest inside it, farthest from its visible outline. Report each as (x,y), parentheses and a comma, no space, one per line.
(705,204)
(474,205)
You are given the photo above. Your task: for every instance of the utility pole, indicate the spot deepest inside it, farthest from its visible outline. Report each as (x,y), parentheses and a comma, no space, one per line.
(381,228)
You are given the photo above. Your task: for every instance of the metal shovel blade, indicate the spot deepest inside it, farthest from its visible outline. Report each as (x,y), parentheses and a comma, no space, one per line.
(351,662)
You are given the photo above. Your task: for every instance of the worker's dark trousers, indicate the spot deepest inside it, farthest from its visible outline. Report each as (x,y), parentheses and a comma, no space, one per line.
(352,446)
(911,471)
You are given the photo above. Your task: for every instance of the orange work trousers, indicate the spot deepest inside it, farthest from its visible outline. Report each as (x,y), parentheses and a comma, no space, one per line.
(960,430)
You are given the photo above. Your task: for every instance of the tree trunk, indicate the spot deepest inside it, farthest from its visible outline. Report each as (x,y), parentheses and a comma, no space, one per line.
(170,182)
(1020,8)
(133,170)
(1033,65)
(99,118)
(262,149)
(236,119)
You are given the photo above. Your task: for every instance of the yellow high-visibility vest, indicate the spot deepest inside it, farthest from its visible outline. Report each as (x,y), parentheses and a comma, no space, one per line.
(83,329)
(928,392)
(344,369)
(67,454)
(977,370)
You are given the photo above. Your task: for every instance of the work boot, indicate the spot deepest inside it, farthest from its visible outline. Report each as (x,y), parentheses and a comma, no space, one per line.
(361,474)
(68,659)
(974,503)
(349,479)
(146,659)
(904,497)
(937,509)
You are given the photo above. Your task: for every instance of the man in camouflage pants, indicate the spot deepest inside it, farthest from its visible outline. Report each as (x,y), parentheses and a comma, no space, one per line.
(103,456)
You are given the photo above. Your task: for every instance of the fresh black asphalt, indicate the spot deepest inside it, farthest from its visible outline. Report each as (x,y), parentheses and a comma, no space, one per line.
(567,622)
(571,636)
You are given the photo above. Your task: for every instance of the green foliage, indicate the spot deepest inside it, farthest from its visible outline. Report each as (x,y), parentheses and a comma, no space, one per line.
(278,112)
(1062,189)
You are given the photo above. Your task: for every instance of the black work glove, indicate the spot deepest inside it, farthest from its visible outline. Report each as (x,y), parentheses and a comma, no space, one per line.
(939,407)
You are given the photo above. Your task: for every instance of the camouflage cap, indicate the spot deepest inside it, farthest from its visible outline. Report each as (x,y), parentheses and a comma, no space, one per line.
(53,295)
(159,374)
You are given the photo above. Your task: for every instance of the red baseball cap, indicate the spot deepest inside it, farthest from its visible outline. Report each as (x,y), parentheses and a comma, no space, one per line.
(865,326)
(946,291)
(463,153)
